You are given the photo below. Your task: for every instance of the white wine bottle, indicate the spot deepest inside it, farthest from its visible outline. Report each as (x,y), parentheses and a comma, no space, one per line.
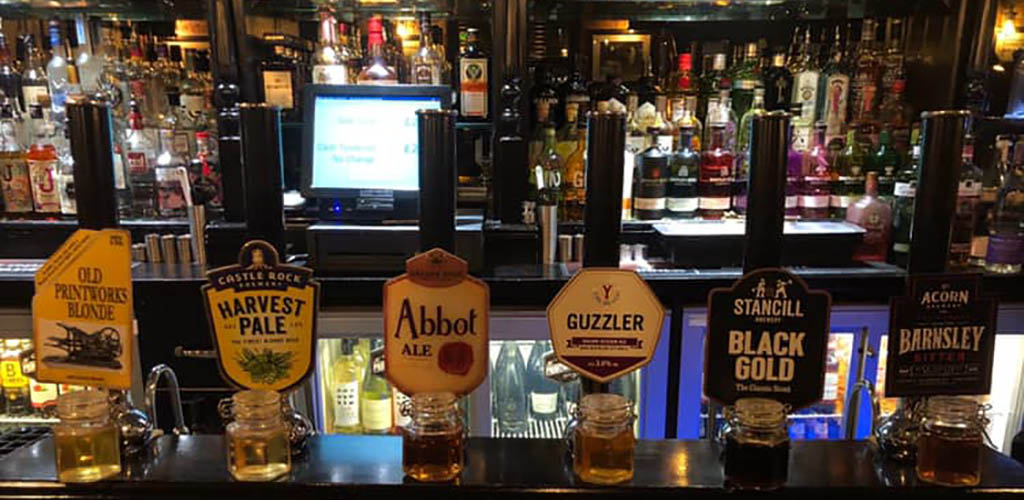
(345,390)
(375,400)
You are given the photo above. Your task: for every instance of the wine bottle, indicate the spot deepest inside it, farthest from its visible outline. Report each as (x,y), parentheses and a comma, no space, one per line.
(509,389)
(543,391)
(375,399)
(345,390)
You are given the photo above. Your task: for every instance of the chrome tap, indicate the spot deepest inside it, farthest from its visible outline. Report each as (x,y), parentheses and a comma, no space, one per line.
(152,382)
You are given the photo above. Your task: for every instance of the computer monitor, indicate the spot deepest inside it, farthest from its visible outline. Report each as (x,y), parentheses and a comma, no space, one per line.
(361,148)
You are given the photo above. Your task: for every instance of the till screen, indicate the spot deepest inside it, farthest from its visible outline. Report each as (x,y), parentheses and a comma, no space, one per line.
(367,142)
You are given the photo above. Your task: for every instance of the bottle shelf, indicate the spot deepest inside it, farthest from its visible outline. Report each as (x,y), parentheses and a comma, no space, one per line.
(716,10)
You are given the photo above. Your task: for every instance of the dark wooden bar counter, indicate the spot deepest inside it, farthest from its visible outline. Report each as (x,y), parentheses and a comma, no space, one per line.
(370,467)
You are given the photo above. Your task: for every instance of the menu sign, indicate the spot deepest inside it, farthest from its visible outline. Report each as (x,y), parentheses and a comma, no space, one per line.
(263,317)
(767,337)
(605,322)
(941,338)
(436,322)
(82,312)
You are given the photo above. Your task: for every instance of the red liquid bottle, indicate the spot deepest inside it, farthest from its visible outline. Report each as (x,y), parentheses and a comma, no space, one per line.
(714,188)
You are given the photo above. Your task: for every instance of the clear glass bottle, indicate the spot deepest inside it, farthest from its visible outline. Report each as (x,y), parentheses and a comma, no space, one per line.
(344,391)
(968,196)
(140,151)
(949,446)
(835,92)
(543,391)
(15,185)
(57,73)
(375,399)
(432,442)
(257,440)
(330,64)
(34,85)
(604,444)
(866,77)
(546,172)
(86,441)
(170,192)
(848,175)
(1005,253)
(508,385)
(10,78)
(805,85)
(377,71)
(817,178)
(427,62)
(756,444)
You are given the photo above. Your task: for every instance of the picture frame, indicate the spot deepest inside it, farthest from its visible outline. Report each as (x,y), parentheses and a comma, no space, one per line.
(622,54)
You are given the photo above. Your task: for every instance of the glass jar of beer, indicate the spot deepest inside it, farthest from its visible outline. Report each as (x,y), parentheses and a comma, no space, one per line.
(604,442)
(756,444)
(257,440)
(88,447)
(949,446)
(432,442)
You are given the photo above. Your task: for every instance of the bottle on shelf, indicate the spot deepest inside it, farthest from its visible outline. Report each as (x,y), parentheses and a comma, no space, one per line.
(508,385)
(636,142)
(574,195)
(651,184)
(10,78)
(546,173)
(817,178)
(682,85)
(685,116)
(377,70)
(573,92)
(896,115)
(729,118)
(666,136)
(794,177)
(778,84)
(345,390)
(892,58)
(543,391)
(89,64)
(968,196)
(15,384)
(569,134)
(848,175)
(375,399)
(544,92)
(885,161)
(866,76)
(712,80)
(42,163)
(806,76)
(542,123)
(875,216)
(57,74)
(140,148)
(684,169)
(331,60)
(474,77)
(14,177)
(715,181)
(66,175)
(745,78)
(34,85)
(835,92)
(1005,253)
(743,142)
(170,192)
(903,208)
(427,63)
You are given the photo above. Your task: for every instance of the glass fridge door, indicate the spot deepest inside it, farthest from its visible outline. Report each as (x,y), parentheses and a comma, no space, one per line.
(516,400)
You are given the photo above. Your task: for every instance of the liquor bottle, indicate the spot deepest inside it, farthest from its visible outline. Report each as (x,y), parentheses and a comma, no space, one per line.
(42,163)
(1005,253)
(805,85)
(686,117)
(508,386)
(574,190)
(573,92)
(817,181)
(426,62)
(886,162)
(193,91)
(684,169)
(205,172)
(892,60)
(345,390)
(875,216)
(538,136)
(666,137)
(968,195)
(543,391)
(866,75)
(375,399)
(170,192)
(15,384)
(436,40)
(636,142)
(57,74)
(715,181)
(66,175)
(474,66)
(746,77)
(903,208)
(34,85)
(992,181)
(569,135)
(712,80)
(651,183)
(544,91)
(682,85)
(794,177)
(90,65)
(743,142)
(393,52)
(14,179)
(778,84)
(729,118)
(330,62)
(140,147)
(377,71)
(279,75)
(121,190)
(10,78)
(896,115)
(848,175)
(835,92)
(546,173)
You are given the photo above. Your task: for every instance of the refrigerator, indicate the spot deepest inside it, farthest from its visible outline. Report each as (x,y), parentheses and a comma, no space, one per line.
(523,332)
(828,419)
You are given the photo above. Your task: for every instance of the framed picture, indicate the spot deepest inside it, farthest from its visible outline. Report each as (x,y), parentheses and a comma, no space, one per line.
(624,55)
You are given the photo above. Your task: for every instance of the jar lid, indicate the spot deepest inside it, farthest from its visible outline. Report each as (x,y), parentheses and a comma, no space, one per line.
(953,408)
(433,401)
(759,412)
(256,404)
(605,407)
(82,404)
